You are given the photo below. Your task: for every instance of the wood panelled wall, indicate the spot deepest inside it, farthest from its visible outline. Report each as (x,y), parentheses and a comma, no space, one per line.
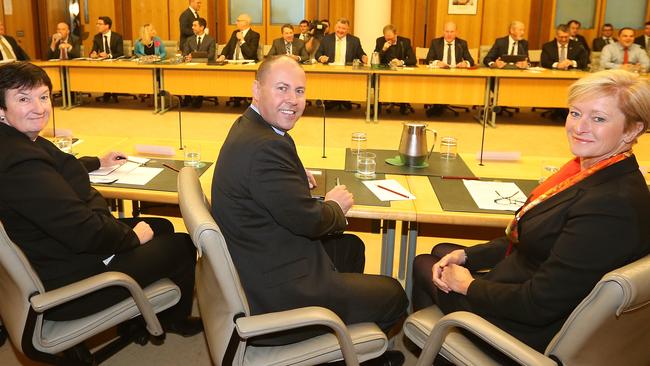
(420,20)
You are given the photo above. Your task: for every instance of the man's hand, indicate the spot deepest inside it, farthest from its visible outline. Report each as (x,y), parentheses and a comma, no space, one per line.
(323,59)
(221,58)
(457,278)
(364,59)
(311,179)
(93,54)
(143,231)
(386,46)
(522,64)
(442,65)
(112,158)
(342,196)
(457,257)
(103,55)
(240,36)
(463,64)
(499,64)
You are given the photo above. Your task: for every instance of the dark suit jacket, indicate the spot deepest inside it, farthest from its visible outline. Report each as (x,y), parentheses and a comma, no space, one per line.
(248,49)
(272,225)
(116,44)
(401,50)
(437,49)
(566,244)
(640,40)
(297,48)
(74,52)
(583,41)
(21,55)
(575,52)
(353,48)
(52,213)
(598,43)
(185,21)
(500,48)
(208,44)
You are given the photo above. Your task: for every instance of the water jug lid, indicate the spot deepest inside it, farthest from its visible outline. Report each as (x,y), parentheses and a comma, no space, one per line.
(415,124)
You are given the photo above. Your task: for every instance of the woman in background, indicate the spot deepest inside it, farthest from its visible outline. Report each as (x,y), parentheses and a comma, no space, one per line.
(149,43)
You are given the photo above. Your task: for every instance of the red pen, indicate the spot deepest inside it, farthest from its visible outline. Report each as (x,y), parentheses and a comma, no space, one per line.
(391,191)
(171,167)
(459,177)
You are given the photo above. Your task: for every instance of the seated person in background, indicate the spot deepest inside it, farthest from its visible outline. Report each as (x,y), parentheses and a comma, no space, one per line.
(243,42)
(106,43)
(574,28)
(624,54)
(644,39)
(605,38)
(449,50)
(289,45)
(589,218)
(64,226)
(63,44)
(200,42)
(340,47)
(393,49)
(149,43)
(562,53)
(9,48)
(289,248)
(512,44)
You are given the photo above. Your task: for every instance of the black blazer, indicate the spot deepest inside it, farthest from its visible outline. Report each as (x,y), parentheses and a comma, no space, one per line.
(500,48)
(185,21)
(353,49)
(437,49)
(583,41)
(401,50)
(297,48)
(52,213)
(272,225)
(21,55)
(208,44)
(116,44)
(74,52)
(248,49)
(575,52)
(567,244)
(598,43)
(640,40)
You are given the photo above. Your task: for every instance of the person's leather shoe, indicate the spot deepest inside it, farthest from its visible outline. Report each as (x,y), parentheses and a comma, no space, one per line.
(186,328)
(389,358)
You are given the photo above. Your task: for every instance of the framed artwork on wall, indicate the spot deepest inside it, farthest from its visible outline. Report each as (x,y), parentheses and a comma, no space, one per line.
(462,7)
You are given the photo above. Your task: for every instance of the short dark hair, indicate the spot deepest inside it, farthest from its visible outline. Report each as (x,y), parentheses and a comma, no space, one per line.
(563,27)
(572,21)
(647,23)
(21,75)
(608,25)
(304,21)
(624,28)
(106,21)
(202,22)
(286,26)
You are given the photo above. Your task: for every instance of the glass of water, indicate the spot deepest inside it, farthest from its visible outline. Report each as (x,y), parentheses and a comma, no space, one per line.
(358,142)
(64,143)
(192,155)
(448,148)
(366,165)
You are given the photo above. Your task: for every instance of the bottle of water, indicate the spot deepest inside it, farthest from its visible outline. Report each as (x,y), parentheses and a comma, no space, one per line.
(374,60)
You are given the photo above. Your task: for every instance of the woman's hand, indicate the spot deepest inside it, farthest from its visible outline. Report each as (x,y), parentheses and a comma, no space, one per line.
(112,158)
(457,278)
(457,257)
(143,231)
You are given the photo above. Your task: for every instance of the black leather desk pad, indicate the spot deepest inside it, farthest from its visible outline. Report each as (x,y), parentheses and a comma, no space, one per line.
(362,195)
(437,166)
(453,196)
(166,180)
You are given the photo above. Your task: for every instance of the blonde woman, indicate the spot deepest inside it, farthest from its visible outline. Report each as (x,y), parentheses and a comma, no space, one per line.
(149,43)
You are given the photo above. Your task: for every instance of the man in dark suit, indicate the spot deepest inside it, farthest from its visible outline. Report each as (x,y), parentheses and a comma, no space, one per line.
(9,48)
(106,43)
(562,53)
(606,37)
(512,44)
(243,42)
(439,50)
(394,49)
(340,47)
(574,28)
(63,44)
(286,245)
(201,42)
(185,20)
(289,45)
(644,39)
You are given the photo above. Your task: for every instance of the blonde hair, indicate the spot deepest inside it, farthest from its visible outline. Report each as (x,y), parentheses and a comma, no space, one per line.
(145,34)
(632,94)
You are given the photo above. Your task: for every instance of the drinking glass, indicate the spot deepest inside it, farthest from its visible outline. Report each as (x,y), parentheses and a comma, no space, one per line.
(358,143)
(192,155)
(448,148)
(366,165)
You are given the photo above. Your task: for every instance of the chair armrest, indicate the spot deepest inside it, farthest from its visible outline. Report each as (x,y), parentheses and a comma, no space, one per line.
(61,295)
(499,339)
(256,325)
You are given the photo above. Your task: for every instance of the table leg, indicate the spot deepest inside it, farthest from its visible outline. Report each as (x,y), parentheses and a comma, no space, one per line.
(376,101)
(368,97)
(387,248)
(401,272)
(412,247)
(495,102)
(64,93)
(155,90)
(163,107)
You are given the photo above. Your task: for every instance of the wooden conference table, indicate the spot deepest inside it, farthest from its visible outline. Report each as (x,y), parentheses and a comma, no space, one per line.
(488,88)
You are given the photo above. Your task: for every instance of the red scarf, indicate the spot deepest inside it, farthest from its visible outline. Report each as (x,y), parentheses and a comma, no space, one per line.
(568,176)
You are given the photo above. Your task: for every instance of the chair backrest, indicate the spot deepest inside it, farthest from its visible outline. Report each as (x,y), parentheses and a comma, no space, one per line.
(267,48)
(127,46)
(421,54)
(260,52)
(611,326)
(171,47)
(82,52)
(18,281)
(483,50)
(220,48)
(474,53)
(218,287)
(534,56)
(594,61)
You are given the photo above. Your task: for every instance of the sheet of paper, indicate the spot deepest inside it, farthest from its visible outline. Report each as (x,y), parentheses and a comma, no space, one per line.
(140,176)
(495,195)
(126,167)
(388,190)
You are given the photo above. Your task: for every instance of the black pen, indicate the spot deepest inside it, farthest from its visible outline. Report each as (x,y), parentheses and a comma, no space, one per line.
(127,159)
(459,177)
(170,167)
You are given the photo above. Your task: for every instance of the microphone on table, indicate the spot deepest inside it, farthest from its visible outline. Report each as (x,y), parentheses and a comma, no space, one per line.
(321,104)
